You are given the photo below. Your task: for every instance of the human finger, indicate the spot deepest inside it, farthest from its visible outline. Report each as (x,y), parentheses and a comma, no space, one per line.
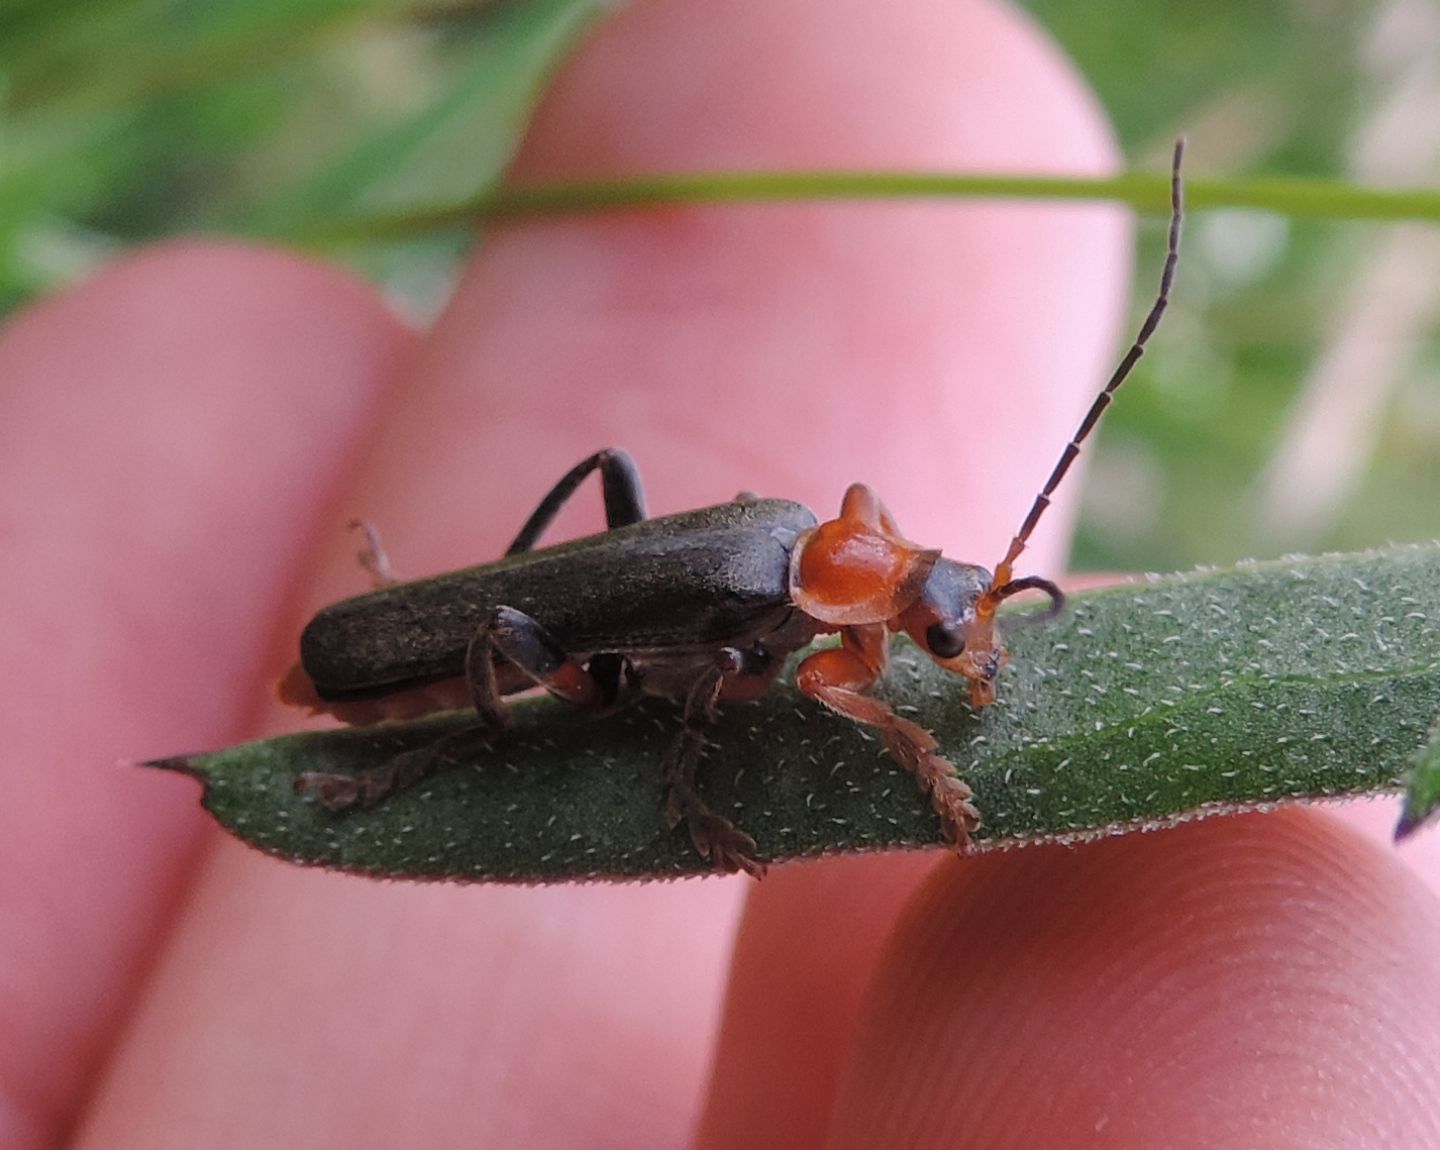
(1258,980)
(167,431)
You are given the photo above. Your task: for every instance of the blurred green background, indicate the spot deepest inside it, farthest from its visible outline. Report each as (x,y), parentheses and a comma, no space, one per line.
(1292,404)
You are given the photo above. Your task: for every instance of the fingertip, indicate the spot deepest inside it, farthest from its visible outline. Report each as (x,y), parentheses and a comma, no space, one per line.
(758,85)
(1257,977)
(940,351)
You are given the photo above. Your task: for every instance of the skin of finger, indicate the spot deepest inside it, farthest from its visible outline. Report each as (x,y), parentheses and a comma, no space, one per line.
(808,940)
(1264,980)
(165,432)
(785,349)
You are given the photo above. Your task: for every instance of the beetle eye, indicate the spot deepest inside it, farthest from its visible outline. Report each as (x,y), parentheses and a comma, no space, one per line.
(943,641)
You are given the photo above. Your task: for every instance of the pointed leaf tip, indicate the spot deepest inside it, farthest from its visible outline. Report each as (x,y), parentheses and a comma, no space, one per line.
(1422,791)
(180,764)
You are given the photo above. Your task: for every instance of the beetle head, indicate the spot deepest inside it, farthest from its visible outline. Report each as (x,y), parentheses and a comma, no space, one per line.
(953,621)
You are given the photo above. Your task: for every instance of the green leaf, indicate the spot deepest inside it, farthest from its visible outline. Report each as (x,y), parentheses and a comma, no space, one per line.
(1422,793)
(1142,706)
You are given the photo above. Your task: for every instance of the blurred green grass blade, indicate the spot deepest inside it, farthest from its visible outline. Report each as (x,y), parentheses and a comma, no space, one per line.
(1422,792)
(1299,198)
(1141,706)
(461,141)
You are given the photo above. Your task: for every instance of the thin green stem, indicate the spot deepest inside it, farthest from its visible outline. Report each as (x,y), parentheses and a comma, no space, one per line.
(1309,198)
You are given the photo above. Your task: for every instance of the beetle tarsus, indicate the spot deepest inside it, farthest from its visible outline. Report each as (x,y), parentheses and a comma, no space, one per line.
(914,748)
(841,677)
(950,795)
(338,792)
(332,791)
(728,848)
(714,837)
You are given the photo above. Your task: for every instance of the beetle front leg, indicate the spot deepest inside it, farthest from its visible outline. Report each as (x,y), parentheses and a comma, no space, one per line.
(715,837)
(840,677)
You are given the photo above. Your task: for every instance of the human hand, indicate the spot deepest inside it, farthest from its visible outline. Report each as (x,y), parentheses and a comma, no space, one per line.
(178,433)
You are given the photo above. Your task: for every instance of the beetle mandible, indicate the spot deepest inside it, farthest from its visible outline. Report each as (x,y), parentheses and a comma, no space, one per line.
(702,606)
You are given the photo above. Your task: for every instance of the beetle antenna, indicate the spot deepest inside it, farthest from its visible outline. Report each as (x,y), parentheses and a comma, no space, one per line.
(1004,585)
(1033,583)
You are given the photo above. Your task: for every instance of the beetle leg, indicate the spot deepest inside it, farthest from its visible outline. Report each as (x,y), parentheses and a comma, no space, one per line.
(373,558)
(624,496)
(524,642)
(715,837)
(521,641)
(624,504)
(758,668)
(337,791)
(841,677)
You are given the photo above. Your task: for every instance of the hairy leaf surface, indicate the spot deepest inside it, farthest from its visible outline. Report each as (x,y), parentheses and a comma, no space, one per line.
(1143,705)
